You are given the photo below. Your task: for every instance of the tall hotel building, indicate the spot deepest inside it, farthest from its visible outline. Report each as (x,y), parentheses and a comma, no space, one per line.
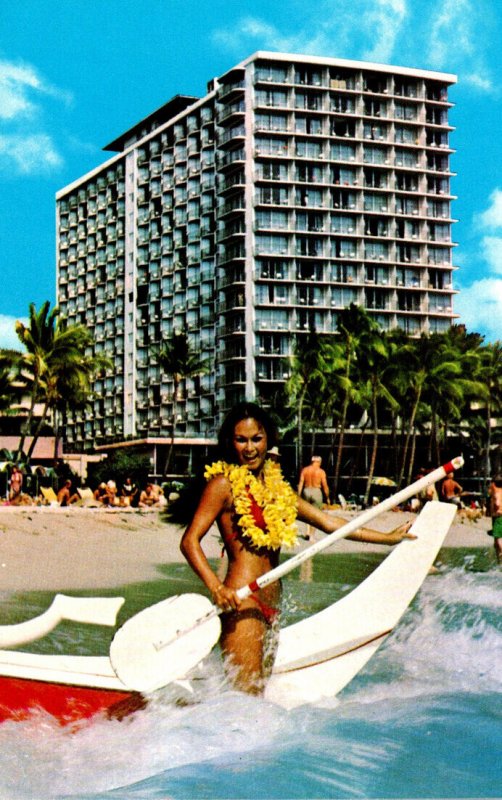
(294,187)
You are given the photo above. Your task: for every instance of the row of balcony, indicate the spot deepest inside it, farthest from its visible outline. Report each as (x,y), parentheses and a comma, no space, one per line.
(352,80)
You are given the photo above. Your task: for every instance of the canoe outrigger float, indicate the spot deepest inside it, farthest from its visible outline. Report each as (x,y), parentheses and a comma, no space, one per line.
(166,643)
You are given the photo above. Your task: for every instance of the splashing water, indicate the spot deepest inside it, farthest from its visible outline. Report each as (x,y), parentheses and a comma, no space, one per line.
(422,720)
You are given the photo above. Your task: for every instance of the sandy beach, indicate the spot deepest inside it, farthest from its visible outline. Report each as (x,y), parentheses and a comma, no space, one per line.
(75,548)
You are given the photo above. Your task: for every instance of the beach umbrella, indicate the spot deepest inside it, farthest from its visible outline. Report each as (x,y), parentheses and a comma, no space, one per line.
(384,482)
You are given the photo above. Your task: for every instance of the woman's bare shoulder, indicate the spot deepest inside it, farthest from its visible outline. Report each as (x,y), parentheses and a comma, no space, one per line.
(219,488)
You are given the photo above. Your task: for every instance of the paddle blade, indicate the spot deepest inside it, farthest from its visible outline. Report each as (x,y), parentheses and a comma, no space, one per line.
(164,642)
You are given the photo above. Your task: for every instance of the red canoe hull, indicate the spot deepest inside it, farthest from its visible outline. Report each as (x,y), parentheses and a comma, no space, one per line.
(19,698)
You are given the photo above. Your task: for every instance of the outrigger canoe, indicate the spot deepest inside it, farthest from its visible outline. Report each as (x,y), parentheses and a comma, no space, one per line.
(316,658)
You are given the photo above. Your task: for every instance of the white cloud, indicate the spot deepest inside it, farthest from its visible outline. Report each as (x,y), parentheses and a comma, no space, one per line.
(492,217)
(23,94)
(490,245)
(29,154)
(491,251)
(480,307)
(8,337)
(256,34)
(385,19)
(456,41)
(446,35)
(20,89)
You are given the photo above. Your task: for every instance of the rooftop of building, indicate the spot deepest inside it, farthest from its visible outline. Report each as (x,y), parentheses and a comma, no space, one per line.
(412,72)
(171,109)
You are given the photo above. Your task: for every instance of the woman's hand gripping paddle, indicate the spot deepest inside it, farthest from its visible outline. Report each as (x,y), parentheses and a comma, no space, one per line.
(165,641)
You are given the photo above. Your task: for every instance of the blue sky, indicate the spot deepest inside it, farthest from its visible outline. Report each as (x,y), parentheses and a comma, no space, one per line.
(74,74)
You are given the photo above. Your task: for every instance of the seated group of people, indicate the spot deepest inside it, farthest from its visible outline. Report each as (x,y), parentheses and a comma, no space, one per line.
(152,496)
(106,494)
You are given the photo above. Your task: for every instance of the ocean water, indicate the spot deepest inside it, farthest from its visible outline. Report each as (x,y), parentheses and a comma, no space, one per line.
(422,720)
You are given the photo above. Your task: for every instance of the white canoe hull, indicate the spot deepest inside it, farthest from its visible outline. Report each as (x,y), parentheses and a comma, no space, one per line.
(320,655)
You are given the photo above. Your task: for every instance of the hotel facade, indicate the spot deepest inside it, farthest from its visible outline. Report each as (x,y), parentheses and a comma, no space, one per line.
(294,187)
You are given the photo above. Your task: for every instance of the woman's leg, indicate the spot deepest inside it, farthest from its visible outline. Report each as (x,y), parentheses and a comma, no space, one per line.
(243,643)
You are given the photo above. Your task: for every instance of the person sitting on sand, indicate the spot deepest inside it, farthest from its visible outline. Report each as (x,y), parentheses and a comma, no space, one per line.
(148,497)
(111,489)
(495,494)
(65,495)
(129,492)
(256,511)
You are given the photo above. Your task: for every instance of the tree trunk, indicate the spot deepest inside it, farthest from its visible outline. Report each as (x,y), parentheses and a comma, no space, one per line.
(36,433)
(341,438)
(26,428)
(173,427)
(355,460)
(374,449)
(487,466)
(409,433)
(412,455)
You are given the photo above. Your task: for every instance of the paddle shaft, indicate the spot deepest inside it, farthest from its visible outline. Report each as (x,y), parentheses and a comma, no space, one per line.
(350,527)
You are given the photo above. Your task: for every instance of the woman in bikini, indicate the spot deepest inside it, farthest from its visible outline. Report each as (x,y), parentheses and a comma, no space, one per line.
(256,511)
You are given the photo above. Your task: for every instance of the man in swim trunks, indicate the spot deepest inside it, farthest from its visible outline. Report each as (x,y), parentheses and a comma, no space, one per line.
(496,515)
(313,486)
(451,491)
(251,543)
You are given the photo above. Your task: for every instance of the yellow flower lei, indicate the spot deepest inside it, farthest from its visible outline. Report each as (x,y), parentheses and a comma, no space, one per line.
(273,495)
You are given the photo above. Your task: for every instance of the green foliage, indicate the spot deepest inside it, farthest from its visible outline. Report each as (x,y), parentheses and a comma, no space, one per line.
(120,465)
(54,368)
(180,511)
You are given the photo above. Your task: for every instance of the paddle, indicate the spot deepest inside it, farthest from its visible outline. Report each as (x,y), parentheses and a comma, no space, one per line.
(162,643)
(91,610)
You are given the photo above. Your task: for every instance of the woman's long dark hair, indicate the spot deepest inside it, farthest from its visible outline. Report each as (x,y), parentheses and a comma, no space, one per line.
(241,411)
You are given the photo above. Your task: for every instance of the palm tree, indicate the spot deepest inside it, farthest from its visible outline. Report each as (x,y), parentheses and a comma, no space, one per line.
(353,322)
(491,375)
(37,338)
(308,373)
(179,361)
(10,389)
(373,360)
(54,362)
(457,362)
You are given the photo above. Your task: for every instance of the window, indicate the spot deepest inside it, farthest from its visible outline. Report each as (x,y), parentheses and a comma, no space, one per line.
(343,152)
(376,155)
(278,220)
(272,122)
(272,97)
(271,170)
(274,146)
(271,244)
(309,197)
(271,195)
(272,73)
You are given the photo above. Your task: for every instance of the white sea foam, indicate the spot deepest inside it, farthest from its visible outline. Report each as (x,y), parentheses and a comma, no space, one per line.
(449,643)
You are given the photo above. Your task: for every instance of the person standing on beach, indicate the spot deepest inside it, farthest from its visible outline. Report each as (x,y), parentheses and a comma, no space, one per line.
(451,490)
(313,484)
(15,483)
(495,493)
(313,487)
(256,511)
